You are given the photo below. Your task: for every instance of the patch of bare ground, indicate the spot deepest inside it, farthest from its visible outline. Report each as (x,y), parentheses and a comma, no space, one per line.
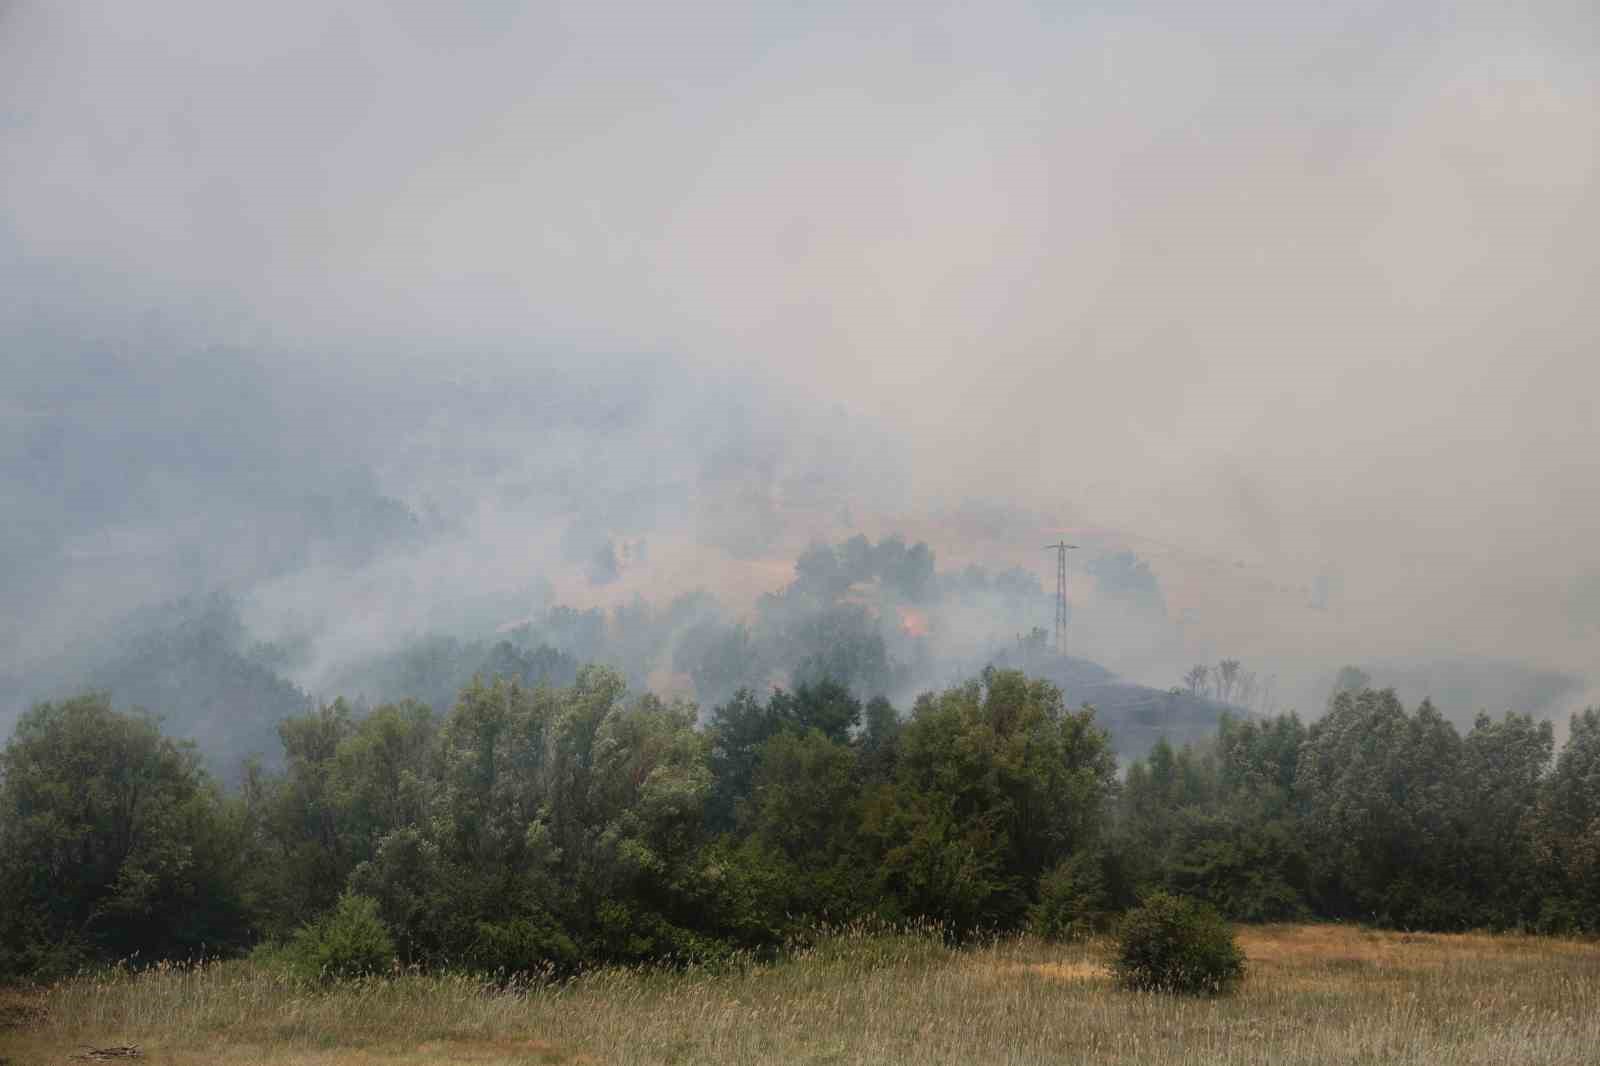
(1074,970)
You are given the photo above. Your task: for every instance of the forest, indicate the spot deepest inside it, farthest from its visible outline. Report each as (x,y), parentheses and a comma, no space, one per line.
(548,827)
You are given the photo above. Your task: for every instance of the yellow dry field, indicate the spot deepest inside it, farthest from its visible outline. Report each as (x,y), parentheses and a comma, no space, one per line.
(1314,994)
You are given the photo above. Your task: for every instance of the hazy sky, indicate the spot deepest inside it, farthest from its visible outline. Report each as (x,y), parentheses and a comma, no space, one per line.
(1303,287)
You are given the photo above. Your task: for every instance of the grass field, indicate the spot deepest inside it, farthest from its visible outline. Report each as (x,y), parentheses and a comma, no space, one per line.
(1314,994)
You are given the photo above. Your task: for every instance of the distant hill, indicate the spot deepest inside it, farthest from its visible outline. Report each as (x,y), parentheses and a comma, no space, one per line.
(1136,716)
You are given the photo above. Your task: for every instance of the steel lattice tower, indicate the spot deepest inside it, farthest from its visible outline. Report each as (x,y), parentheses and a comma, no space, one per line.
(1061,550)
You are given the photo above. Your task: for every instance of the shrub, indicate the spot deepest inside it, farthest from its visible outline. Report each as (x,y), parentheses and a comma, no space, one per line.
(630,934)
(523,946)
(349,941)
(1559,916)
(1073,900)
(1171,944)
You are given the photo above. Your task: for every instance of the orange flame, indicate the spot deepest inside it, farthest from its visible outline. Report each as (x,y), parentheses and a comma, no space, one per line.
(913,622)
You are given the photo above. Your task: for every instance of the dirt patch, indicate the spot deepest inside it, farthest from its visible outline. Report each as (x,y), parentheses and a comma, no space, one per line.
(1081,970)
(1351,949)
(1070,971)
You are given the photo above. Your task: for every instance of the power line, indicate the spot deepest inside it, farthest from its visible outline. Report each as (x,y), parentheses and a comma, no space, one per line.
(1061,550)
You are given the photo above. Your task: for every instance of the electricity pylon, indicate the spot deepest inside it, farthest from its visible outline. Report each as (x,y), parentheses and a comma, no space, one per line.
(1061,550)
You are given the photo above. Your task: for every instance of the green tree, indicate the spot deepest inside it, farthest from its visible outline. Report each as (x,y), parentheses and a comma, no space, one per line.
(1216,821)
(1384,805)
(379,777)
(1569,839)
(804,815)
(995,782)
(1250,869)
(563,824)
(1503,767)
(737,731)
(306,852)
(879,741)
(741,728)
(113,841)
(1257,761)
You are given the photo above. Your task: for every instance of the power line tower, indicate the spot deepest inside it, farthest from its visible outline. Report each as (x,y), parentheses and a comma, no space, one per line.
(1061,550)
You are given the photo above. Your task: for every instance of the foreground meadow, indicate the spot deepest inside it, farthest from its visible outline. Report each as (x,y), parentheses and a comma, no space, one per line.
(1314,994)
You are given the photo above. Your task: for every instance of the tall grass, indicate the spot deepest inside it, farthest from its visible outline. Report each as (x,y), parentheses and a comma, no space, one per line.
(1314,994)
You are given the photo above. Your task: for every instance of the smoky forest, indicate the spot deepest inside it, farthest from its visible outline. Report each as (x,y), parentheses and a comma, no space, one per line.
(528,804)
(600,531)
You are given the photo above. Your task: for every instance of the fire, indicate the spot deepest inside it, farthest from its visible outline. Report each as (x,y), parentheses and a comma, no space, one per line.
(913,622)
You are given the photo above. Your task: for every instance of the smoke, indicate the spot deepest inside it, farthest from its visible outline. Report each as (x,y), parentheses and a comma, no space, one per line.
(395,317)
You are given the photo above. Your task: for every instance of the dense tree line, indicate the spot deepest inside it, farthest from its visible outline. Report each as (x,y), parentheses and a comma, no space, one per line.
(543,827)
(1378,814)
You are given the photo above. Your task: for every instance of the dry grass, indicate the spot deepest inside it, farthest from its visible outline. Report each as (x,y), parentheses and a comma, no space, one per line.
(1314,994)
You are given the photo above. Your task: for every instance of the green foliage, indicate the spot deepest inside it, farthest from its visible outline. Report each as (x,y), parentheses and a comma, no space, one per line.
(349,941)
(1258,760)
(995,782)
(1250,869)
(1374,813)
(423,899)
(1384,798)
(946,868)
(1074,900)
(307,857)
(741,728)
(737,731)
(879,742)
(1563,916)
(803,812)
(1505,764)
(113,842)
(1172,944)
(1569,815)
(535,829)
(523,946)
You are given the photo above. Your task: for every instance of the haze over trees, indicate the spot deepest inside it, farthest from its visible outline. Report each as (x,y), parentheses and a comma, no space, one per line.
(878,617)
(522,800)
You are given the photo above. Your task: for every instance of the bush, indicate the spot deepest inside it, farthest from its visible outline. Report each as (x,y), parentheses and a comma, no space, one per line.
(1171,944)
(523,946)
(349,941)
(1559,916)
(1073,900)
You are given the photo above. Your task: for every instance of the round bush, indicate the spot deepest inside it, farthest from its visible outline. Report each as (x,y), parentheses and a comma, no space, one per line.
(349,941)
(1171,944)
